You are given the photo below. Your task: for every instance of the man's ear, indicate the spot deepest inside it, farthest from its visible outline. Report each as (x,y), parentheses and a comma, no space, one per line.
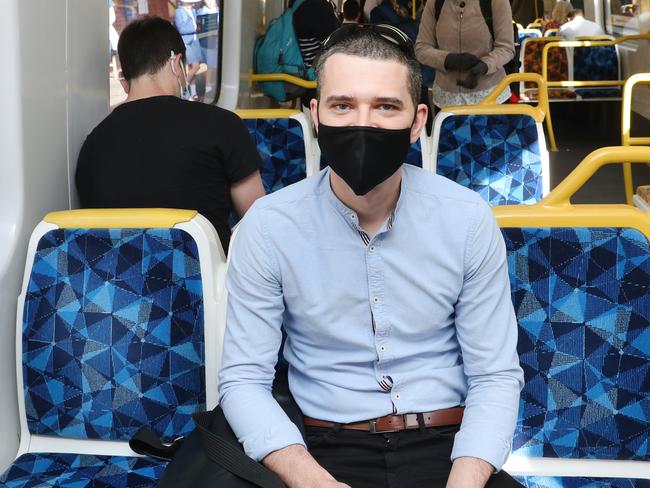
(177,65)
(420,120)
(126,86)
(313,108)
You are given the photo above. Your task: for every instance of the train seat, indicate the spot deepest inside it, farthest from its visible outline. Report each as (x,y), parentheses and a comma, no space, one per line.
(558,68)
(117,328)
(285,142)
(580,280)
(497,150)
(596,63)
(526,33)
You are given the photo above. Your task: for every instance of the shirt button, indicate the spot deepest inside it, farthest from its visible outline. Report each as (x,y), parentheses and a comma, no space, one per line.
(375,299)
(382,348)
(397,396)
(371,248)
(353,217)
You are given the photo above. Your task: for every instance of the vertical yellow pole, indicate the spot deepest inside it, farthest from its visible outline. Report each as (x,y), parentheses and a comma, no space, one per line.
(547,105)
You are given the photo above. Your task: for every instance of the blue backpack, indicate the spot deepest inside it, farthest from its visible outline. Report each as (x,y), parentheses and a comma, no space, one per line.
(278,52)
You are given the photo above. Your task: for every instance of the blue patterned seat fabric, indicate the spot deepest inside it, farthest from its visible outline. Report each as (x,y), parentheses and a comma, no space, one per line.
(582,299)
(526,35)
(497,156)
(113,334)
(414,156)
(112,340)
(281,145)
(78,471)
(596,63)
(578,482)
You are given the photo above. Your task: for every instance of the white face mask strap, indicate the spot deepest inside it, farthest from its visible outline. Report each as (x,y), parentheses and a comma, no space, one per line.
(183,92)
(172,58)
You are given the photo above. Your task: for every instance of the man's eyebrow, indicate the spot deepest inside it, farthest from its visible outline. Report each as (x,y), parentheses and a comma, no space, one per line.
(347,98)
(390,100)
(339,98)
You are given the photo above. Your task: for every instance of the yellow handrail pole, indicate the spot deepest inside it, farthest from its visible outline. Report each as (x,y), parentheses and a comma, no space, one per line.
(414,13)
(626,123)
(562,193)
(536,9)
(255,77)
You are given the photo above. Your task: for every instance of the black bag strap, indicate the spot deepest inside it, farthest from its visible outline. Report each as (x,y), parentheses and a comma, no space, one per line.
(232,459)
(486,10)
(146,442)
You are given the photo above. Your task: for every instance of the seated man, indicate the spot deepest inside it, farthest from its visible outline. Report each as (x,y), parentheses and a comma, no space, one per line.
(578,26)
(392,286)
(157,150)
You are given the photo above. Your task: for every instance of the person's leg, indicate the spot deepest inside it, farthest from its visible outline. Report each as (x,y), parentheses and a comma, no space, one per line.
(421,459)
(352,457)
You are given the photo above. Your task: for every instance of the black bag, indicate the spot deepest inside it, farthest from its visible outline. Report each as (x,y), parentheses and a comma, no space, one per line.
(211,456)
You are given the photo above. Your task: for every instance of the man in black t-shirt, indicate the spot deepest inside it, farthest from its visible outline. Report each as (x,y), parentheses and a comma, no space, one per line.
(157,150)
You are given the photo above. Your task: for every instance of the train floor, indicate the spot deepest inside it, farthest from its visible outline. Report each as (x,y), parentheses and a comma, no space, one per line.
(581,128)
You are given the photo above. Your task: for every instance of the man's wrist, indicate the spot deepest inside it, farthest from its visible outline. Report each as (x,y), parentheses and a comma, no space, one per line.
(296,467)
(469,472)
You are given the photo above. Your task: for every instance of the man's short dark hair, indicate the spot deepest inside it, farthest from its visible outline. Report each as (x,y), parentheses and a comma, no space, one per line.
(351,10)
(145,46)
(365,43)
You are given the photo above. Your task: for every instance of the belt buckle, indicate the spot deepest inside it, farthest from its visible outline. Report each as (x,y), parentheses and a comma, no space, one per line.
(373,426)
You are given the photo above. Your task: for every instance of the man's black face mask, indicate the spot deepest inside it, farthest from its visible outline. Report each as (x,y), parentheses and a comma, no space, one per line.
(363,156)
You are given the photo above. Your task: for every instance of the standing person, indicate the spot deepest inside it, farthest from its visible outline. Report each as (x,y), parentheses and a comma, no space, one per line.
(156,150)
(313,21)
(457,41)
(352,13)
(185,22)
(210,47)
(392,286)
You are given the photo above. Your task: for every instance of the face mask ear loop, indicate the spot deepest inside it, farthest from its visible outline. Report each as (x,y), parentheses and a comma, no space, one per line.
(181,91)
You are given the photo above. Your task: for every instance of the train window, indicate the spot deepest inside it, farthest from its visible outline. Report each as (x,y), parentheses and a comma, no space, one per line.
(627,17)
(199,22)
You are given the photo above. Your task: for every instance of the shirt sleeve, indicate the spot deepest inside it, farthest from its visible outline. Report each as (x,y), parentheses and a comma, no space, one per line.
(503,48)
(240,156)
(426,47)
(251,343)
(487,333)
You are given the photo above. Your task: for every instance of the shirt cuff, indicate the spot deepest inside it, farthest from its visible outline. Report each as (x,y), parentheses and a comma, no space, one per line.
(273,438)
(477,444)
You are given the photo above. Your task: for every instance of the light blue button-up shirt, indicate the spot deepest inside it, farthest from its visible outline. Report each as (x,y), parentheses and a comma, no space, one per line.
(436,284)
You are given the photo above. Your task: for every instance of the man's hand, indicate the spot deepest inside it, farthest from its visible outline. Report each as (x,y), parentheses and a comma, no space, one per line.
(478,70)
(469,472)
(460,61)
(298,469)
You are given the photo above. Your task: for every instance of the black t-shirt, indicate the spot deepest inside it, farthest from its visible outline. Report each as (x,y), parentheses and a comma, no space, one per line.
(170,153)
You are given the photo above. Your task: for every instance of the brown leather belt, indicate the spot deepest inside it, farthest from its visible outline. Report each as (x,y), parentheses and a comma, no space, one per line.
(395,423)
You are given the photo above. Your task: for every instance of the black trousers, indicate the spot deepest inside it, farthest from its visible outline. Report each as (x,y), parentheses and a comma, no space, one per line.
(406,459)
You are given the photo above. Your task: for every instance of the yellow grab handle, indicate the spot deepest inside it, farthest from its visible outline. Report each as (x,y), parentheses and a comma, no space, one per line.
(562,193)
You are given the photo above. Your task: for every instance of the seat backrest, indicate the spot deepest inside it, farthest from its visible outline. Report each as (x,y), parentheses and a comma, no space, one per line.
(498,151)
(116,324)
(595,63)
(526,33)
(580,279)
(284,141)
(531,62)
